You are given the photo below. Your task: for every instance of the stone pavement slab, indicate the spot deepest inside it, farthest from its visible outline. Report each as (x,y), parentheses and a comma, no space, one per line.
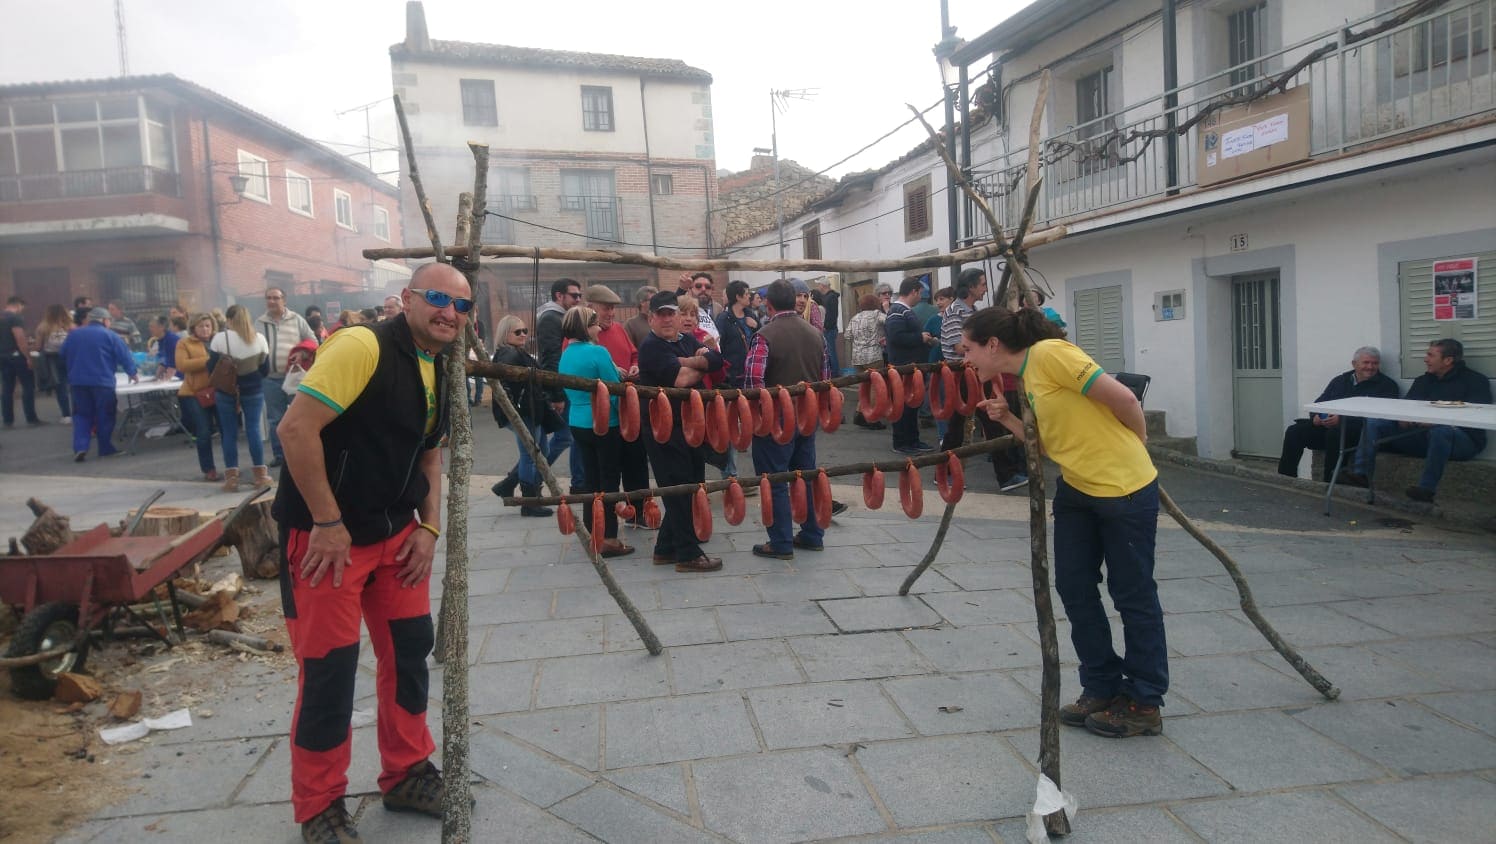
(997,606)
(495,687)
(541,639)
(948,779)
(1108,772)
(1403,736)
(804,585)
(1476,709)
(522,771)
(614,816)
(734,665)
(773,621)
(1358,672)
(649,732)
(1261,750)
(1452,809)
(887,580)
(798,795)
(1312,625)
(863,615)
(825,713)
(1236,681)
(1301,816)
(600,677)
(963,703)
(1112,826)
(989,575)
(855,657)
(185,777)
(672,627)
(570,733)
(1459,663)
(975,648)
(663,784)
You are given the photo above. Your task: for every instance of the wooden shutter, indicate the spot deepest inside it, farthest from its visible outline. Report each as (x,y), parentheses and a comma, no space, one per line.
(917,209)
(1415,282)
(1096,326)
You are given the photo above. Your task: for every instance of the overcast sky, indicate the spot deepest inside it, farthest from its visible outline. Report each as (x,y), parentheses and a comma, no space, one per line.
(303,61)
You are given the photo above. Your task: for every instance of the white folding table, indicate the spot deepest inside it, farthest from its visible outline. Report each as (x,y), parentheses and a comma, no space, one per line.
(1401,410)
(144,401)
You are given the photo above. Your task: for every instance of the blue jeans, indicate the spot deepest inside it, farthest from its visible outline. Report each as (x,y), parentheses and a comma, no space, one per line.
(228,423)
(798,453)
(94,411)
(831,361)
(276,402)
(14,369)
(551,445)
(575,463)
(1120,531)
(195,420)
(1436,445)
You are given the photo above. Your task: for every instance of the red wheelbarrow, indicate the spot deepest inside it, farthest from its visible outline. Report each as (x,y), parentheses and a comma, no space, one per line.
(91,583)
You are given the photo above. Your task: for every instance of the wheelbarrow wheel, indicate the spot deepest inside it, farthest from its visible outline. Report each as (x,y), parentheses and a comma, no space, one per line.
(45,627)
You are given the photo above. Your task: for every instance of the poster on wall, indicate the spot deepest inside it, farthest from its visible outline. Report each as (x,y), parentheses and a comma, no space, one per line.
(1454,289)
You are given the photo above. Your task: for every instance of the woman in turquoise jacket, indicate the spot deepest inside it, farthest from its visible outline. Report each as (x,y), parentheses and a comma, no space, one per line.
(584,357)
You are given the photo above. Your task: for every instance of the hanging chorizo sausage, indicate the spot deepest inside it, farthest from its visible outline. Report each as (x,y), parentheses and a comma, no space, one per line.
(823,499)
(808,412)
(660,420)
(716,424)
(831,409)
(872,488)
(915,389)
(766,500)
(701,514)
(601,408)
(911,495)
(734,505)
(693,420)
(950,479)
(628,414)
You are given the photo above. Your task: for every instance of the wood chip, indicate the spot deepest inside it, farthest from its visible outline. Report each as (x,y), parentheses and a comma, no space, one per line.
(77,688)
(126,705)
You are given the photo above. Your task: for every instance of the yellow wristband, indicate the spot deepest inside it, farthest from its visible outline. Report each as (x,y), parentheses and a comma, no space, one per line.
(434,530)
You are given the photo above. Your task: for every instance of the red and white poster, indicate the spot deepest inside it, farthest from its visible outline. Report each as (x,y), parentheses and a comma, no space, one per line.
(1455,294)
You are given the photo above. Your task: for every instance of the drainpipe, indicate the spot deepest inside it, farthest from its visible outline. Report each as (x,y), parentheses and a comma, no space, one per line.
(654,239)
(965,159)
(215,233)
(1171,98)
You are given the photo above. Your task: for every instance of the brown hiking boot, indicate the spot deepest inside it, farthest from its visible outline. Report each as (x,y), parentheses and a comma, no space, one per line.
(1075,714)
(422,791)
(333,826)
(1125,718)
(702,563)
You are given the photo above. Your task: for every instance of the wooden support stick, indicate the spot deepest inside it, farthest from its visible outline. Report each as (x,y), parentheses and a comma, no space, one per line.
(415,180)
(894,464)
(609,256)
(1248,603)
(229,637)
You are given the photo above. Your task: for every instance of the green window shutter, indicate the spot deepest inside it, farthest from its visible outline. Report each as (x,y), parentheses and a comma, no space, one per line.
(1087,325)
(1111,355)
(1415,281)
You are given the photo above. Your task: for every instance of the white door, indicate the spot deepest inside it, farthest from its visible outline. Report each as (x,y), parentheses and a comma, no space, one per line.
(1256,365)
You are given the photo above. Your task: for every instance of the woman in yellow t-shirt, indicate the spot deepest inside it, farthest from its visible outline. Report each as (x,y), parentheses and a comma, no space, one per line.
(1105,510)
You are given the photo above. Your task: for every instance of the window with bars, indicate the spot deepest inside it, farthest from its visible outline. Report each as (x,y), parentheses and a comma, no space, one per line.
(479,107)
(1246,41)
(514,189)
(917,209)
(299,193)
(140,288)
(1415,282)
(1093,97)
(597,108)
(810,240)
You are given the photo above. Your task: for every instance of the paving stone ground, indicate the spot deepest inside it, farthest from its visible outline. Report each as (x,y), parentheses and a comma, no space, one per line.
(805,701)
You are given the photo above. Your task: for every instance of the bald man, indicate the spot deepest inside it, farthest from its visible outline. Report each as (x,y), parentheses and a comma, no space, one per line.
(359,507)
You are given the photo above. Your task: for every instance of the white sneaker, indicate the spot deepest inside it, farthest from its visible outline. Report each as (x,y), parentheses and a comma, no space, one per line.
(66,420)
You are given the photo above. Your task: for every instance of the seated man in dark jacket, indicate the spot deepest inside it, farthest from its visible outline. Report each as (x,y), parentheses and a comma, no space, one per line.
(1447,380)
(1321,432)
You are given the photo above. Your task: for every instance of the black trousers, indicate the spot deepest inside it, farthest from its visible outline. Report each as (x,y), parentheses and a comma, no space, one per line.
(1005,463)
(1304,434)
(601,457)
(634,463)
(674,462)
(906,428)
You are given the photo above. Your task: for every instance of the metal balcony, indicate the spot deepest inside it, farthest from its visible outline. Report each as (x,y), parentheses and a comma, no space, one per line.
(114,181)
(601,214)
(1432,70)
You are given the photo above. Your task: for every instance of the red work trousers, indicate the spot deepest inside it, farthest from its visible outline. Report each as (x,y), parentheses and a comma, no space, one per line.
(323,623)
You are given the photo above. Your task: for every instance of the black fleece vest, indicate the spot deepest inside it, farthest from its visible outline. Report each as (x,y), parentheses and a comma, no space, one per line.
(372,450)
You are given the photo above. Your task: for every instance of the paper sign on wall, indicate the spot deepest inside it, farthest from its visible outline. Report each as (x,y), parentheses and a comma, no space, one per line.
(1455,294)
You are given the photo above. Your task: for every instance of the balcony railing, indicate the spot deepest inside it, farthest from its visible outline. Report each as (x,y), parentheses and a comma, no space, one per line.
(601,213)
(1431,70)
(114,181)
(516,202)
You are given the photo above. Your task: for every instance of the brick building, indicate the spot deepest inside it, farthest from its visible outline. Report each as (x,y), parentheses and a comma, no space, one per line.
(151,190)
(588,151)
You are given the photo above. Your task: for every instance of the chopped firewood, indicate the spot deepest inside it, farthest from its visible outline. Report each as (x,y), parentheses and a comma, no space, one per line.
(218,611)
(126,705)
(77,688)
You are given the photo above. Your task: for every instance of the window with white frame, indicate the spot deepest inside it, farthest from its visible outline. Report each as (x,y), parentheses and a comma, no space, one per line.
(342,204)
(662,184)
(299,193)
(257,171)
(381,223)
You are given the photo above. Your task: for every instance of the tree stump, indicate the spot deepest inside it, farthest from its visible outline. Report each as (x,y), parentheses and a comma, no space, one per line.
(168,521)
(48,532)
(256,537)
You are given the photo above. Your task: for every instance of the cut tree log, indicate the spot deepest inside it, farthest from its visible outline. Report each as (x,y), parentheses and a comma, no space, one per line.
(50,531)
(168,521)
(255,536)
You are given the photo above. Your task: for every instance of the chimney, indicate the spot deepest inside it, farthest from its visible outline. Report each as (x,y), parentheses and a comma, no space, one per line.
(417,39)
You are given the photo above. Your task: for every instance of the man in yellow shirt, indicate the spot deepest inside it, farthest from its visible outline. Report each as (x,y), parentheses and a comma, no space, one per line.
(359,507)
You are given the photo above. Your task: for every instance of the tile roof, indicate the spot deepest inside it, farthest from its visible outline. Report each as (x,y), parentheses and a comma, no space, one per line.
(466,52)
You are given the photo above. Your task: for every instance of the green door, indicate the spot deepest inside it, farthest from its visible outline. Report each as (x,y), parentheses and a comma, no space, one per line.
(1257,365)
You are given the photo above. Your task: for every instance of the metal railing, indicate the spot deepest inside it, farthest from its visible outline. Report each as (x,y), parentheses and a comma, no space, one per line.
(1433,69)
(516,202)
(601,213)
(114,181)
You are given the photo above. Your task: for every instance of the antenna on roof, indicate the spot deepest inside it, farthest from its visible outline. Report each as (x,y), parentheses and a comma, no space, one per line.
(119,29)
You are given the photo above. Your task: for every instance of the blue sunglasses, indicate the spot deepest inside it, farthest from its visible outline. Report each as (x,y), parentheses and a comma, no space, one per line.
(438,299)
